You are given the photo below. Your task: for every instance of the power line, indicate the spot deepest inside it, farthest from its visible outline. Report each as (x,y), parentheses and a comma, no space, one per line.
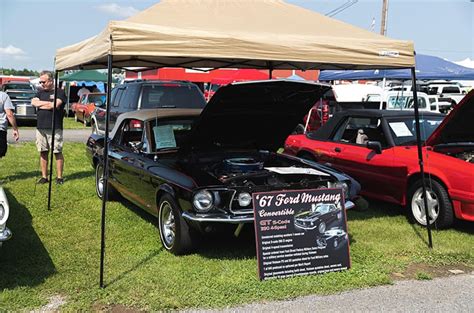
(341,8)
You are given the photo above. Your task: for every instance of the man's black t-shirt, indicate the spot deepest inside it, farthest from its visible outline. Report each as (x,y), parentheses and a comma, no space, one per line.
(44,117)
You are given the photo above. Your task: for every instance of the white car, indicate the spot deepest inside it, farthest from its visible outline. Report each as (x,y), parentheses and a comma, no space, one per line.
(397,100)
(451,93)
(5,233)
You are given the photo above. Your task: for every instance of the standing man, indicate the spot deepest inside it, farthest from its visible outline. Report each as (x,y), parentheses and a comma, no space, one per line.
(43,101)
(6,115)
(83,91)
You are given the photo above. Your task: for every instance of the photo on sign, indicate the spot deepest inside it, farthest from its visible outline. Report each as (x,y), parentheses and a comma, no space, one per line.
(319,218)
(300,232)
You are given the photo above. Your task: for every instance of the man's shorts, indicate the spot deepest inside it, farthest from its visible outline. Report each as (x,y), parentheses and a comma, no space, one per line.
(43,140)
(3,143)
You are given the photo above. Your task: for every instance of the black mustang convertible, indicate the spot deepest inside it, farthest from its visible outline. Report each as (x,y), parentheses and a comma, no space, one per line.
(194,169)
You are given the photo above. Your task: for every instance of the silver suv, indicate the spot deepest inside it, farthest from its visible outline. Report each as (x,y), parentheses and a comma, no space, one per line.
(145,94)
(21,94)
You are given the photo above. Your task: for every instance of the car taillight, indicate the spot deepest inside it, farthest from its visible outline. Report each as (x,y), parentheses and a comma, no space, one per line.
(135,124)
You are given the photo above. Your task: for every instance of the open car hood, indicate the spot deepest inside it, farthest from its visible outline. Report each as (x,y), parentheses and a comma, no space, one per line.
(257,115)
(457,126)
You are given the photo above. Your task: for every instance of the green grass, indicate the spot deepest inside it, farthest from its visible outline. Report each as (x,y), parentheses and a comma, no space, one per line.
(57,252)
(68,123)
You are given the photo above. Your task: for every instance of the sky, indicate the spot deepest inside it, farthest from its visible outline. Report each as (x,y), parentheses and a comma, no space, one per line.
(32,30)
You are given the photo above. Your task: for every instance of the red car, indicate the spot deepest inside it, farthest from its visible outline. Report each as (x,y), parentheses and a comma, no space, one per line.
(378,148)
(86,105)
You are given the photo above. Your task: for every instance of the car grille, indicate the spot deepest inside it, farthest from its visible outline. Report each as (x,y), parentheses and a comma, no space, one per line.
(25,110)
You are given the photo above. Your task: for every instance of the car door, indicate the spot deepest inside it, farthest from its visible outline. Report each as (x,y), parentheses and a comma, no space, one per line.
(124,155)
(351,155)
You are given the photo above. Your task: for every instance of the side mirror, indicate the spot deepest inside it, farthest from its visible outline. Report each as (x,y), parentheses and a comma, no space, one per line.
(374,145)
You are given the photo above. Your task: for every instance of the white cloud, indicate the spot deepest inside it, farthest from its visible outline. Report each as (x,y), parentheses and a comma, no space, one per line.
(115,9)
(12,52)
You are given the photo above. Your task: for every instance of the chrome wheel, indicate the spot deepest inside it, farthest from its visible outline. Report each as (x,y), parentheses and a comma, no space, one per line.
(99,180)
(418,206)
(167,225)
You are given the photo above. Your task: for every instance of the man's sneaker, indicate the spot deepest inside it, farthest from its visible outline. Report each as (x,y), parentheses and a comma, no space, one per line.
(59,181)
(42,181)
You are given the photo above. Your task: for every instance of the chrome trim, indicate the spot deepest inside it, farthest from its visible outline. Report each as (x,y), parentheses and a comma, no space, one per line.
(225,218)
(349,205)
(221,218)
(5,235)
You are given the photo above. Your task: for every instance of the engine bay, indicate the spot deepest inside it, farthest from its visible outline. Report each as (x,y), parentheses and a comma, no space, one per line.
(465,156)
(463,152)
(264,169)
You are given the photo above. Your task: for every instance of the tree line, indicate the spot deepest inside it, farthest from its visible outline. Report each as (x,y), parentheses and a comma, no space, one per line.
(23,72)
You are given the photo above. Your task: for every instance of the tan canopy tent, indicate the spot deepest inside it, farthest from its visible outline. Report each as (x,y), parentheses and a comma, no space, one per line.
(235,33)
(268,34)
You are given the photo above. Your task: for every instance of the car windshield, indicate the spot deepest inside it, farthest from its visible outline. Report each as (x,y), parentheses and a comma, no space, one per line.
(404,102)
(169,134)
(22,94)
(97,99)
(17,86)
(322,208)
(172,96)
(403,129)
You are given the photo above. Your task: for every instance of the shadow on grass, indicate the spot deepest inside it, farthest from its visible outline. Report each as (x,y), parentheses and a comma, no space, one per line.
(24,261)
(384,209)
(136,267)
(219,244)
(37,174)
(377,209)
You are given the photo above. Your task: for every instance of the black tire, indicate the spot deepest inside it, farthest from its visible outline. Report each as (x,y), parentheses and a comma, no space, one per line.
(99,184)
(175,234)
(441,206)
(322,227)
(321,242)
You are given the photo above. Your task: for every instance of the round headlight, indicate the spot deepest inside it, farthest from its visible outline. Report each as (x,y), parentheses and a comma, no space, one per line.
(203,201)
(244,199)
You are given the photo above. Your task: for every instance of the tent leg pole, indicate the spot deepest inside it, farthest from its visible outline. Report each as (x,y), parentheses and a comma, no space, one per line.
(106,171)
(53,130)
(420,155)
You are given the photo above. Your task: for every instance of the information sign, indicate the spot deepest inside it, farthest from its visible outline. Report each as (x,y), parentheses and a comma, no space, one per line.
(300,232)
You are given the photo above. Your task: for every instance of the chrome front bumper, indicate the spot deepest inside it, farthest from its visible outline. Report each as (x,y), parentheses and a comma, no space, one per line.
(231,219)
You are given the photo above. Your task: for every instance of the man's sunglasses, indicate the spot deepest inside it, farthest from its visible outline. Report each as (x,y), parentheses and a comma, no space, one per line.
(43,82)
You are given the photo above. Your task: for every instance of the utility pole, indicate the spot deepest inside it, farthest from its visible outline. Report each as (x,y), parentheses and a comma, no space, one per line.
(383,25)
